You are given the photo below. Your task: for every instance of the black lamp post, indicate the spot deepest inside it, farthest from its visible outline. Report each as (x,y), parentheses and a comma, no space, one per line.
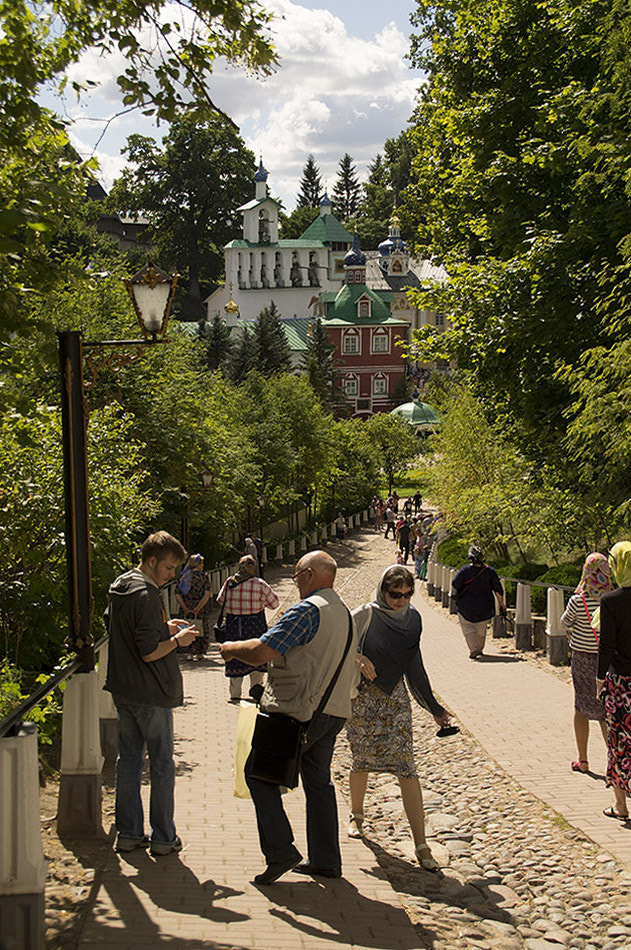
(151,290)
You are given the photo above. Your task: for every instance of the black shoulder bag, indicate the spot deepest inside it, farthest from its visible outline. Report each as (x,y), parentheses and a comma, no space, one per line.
(278,740)
(219,630)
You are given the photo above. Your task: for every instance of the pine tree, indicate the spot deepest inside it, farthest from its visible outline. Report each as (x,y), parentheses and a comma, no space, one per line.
(319,365)
(347,189)
(216,336)
(269,343)
(310,192)
(242,358)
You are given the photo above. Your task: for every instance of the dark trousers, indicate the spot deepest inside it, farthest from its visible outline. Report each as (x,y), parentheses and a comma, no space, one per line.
(405,550)
(390,524)
(275,832)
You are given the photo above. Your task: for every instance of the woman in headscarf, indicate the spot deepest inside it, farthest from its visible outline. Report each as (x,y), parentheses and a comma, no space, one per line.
(193,592)
(476,587)
(614,668)
(380,729)
(245,597)
(579,620)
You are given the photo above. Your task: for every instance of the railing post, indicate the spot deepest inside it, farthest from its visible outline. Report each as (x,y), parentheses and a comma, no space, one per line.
(453,607)
(446,586)
(498,624)
(438,582)
(325,535)
(108,720)
(314,539)
(430,577)
(556,639)
(303,544)
(22,864)
(79,807)
(279,551)
(292,549)
(523,620)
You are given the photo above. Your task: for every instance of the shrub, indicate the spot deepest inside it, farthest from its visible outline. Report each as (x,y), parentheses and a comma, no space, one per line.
(453,551)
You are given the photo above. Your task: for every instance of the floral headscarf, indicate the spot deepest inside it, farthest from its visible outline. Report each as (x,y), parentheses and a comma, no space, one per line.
(620,563)
(186,577)
(595,579)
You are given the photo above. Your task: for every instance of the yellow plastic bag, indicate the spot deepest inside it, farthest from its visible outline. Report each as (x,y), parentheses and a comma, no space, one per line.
(246,717)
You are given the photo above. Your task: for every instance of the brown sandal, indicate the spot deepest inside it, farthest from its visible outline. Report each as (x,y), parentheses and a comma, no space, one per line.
(578,766)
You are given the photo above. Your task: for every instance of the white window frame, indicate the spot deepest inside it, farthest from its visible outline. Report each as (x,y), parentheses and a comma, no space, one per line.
(379,385)
(380,335)
(352,335)
(351,382)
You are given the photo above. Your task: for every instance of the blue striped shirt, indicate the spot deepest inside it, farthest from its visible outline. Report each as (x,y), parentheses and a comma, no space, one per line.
(296,627)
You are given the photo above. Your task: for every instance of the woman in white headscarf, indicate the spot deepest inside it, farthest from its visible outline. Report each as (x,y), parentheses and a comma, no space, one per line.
(380,728)
(614,675)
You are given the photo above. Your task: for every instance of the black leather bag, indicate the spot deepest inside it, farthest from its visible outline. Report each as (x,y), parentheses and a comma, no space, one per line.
(278,740)
(276,748)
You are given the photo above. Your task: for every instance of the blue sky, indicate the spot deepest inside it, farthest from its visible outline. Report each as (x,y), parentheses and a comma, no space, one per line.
(343,85)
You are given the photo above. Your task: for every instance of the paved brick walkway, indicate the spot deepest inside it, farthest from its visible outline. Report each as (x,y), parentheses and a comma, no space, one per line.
(203,898)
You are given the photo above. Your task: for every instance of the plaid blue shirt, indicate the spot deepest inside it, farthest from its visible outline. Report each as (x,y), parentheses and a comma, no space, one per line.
(296,627)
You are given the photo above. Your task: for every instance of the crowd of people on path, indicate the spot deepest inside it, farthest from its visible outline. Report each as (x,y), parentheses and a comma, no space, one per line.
(325,668)
(304,667)
(410,528)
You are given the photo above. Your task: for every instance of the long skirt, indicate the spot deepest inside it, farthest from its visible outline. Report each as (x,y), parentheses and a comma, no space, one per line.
(244,627)
(617,698)
(584,668)
(380,731)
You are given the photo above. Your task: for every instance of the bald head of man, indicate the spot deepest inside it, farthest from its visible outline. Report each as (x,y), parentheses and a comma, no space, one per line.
(314,570)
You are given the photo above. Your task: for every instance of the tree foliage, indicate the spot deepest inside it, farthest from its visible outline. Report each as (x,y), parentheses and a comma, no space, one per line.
(394,441)
(347,189)
(319,366)
(310,192)
(189,186)
(294,224)
(271,353)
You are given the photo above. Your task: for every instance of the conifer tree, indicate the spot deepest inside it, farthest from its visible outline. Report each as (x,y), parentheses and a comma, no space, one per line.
(319,365)
(347,189)
(242,358)
(269,344)
(216,336)
(310,192)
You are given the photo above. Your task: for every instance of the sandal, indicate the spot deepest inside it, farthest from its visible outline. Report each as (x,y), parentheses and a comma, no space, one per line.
(355,825)
(611,813)
(428,862)
(578,766)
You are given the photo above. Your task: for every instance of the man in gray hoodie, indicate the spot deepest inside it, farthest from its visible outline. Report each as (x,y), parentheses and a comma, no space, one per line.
(144,678)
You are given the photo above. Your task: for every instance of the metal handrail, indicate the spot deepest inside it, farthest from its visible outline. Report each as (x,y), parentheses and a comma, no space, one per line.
(11,723)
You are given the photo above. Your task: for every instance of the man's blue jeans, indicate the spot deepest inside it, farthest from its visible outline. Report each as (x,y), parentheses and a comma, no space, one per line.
(140,725)
(275,833)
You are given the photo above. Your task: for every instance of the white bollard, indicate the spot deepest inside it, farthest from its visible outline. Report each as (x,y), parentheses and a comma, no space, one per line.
(523,618)
(224,575)
(292,548)
(314,539)
(264,555)
(446,585)
(22,863)
(79,808)
(556,638)
(325,534)
(279,551)
(303,543)
(364,516)
(438,582)
(108,720)
(430,577)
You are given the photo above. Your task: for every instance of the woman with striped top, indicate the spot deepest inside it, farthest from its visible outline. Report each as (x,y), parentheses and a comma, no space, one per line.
(578,619)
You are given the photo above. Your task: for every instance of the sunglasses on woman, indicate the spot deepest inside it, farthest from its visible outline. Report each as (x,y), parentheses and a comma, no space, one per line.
(400,594)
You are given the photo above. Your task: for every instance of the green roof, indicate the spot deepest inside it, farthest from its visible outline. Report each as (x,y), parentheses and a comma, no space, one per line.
(417,413)
(296,330)
(328,229)
(344,305)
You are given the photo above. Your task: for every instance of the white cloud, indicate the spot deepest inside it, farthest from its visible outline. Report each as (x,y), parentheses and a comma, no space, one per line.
(332,93)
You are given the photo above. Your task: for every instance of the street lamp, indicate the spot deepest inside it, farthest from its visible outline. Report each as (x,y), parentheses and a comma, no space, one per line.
(206,478)
(152,292)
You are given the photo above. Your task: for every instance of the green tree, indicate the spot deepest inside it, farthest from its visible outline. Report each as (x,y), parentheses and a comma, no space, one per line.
(216,338)
(189,186)
(294,224)
(269,343)
(347,189)
(319,365)
(243,356)
(310,185)
(395,443)
(165,70)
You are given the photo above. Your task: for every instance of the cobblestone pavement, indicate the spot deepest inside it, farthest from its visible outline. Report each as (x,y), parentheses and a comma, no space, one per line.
(528,859)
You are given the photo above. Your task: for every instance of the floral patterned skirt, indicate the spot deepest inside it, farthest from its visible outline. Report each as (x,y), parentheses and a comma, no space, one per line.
(380,731)
(244,627)
(617,698)
(584,668)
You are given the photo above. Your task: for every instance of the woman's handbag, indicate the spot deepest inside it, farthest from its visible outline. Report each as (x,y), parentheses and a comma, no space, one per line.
(219,629)
(278,740)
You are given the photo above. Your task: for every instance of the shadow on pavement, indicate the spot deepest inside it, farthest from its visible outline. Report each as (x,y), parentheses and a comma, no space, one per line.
(344,915)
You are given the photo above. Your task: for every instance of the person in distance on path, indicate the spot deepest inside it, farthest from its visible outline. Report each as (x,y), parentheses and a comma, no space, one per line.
(303,650)
(579,621)
(474,586)
(145,681)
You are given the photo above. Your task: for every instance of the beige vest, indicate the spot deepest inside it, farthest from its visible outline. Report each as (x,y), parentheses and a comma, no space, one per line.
(296,682)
